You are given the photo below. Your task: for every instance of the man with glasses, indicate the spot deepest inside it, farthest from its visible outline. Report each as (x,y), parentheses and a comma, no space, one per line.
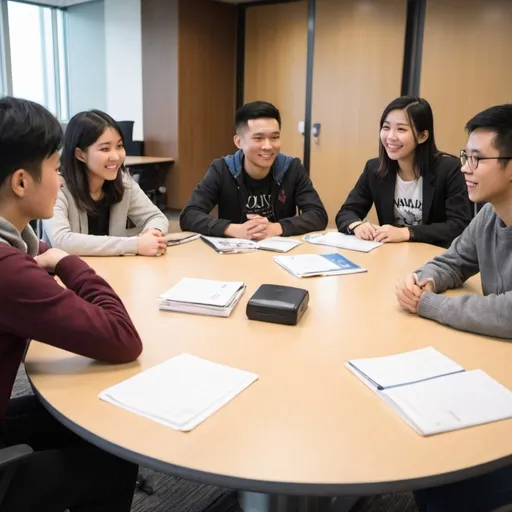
(486,247)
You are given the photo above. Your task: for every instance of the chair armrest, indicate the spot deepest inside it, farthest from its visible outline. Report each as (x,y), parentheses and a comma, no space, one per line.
(13,454)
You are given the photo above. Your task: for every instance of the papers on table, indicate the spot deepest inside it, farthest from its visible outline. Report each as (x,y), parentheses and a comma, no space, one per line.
(309,265)
(238,245)
(181,238)
(406,368)
(202,297)
(181,392)
(334,239)
(432,393)
(277,244)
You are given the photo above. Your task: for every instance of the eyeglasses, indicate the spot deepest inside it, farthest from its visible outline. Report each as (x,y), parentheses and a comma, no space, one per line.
(472,160)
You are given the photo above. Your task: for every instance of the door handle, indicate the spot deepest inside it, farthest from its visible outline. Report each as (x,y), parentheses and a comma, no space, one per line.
(315,132)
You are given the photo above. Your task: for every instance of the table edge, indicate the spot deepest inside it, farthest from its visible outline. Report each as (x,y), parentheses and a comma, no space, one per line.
(273,487)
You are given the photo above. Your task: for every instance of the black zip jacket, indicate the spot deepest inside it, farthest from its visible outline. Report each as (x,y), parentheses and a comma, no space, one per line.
(223,186)
(446,209)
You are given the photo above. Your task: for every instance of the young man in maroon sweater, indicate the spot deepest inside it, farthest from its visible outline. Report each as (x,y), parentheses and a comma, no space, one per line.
(86,317)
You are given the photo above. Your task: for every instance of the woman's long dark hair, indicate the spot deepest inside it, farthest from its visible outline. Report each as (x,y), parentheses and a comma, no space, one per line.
(82,131)
(420,117)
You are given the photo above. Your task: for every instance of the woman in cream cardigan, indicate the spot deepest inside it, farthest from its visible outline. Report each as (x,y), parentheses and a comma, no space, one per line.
(98,196)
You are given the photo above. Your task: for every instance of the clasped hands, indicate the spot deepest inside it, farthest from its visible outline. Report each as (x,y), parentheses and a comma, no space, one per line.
(409,290)
(151,242)
(255,228)
(384,234)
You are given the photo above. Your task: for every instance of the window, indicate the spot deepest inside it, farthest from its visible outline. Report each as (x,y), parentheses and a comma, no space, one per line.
(63,70)
(37,55)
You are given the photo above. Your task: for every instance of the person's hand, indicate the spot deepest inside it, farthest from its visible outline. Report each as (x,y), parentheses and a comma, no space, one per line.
(409,290)
(151,243)
(365,231)
(265,228)
(49,259)
(391,234)
(155,231)
(256,228)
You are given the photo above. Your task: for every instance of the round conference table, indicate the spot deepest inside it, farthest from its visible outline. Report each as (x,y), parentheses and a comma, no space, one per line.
(308,426)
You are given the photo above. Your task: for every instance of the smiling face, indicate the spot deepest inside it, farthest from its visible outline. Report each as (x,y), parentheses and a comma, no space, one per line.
(105,156)
(260,141)
(490,181)
(398,136)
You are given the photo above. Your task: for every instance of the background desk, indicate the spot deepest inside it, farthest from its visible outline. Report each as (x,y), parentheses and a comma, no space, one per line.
(134,161)
(151,174)
(308,426)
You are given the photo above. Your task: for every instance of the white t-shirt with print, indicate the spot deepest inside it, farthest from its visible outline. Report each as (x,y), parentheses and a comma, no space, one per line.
(408,202)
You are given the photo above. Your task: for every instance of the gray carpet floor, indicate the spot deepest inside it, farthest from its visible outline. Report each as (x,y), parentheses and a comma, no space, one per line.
(174,494)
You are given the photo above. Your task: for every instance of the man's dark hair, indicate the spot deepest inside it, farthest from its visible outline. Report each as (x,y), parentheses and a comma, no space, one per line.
(28,135)
(82,131)
(255,110)
(496,119)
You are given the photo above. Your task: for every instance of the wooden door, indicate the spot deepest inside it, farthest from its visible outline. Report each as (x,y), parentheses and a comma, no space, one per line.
(466,63)
(359,48)
(275,65)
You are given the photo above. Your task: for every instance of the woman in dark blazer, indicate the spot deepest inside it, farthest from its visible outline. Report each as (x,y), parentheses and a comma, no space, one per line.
(419,193)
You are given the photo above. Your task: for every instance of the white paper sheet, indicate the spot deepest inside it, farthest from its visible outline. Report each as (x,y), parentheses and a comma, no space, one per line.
(181,392)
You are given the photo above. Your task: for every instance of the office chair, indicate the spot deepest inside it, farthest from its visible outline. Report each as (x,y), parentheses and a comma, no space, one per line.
(133,147)
(146,483)
(10,458)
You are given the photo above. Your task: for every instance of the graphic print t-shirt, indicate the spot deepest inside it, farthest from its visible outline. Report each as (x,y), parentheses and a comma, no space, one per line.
(258,196)
(408,202)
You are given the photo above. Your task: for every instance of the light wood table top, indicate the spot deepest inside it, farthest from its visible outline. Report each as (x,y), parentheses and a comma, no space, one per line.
(133,161)
(307,426)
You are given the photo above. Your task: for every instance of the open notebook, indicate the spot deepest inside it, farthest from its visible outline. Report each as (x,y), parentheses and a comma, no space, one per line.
(181,238)
(432,393)
(181,392)
(237,245)
(341,241)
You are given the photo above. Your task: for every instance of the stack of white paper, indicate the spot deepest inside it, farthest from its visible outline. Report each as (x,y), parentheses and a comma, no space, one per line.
(181,392)
(334,239)
(432,393)
(238,245)
(202,297)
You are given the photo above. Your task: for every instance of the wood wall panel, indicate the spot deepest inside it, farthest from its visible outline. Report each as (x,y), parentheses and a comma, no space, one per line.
(188,87)
(159,33)
(275,65)
(207,85)
(466,63)
(357,72)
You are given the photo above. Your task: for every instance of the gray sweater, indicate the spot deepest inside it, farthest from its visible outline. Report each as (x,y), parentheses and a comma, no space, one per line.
(486,247)
(69,230)
(26,241)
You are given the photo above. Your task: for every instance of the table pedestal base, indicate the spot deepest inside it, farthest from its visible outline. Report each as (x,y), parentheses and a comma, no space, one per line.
(256,502)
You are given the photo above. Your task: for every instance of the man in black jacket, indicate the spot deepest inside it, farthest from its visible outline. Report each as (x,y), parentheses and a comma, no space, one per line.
(258,189)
